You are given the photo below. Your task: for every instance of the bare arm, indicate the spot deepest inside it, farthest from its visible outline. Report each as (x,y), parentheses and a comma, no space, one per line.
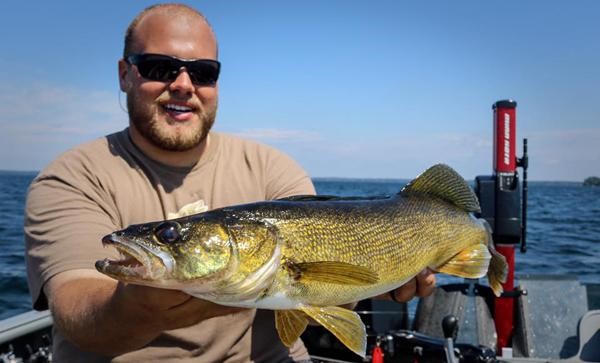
(100,315)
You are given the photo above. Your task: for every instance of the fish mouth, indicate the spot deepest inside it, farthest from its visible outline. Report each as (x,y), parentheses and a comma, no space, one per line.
(138,263)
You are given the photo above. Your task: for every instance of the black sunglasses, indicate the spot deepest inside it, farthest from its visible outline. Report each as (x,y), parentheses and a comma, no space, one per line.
(164,68)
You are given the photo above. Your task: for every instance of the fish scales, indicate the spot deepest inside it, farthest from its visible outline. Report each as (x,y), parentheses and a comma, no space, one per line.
(302,256)
(388,236)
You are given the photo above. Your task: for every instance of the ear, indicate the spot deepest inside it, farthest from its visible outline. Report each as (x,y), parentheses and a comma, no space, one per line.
(124,76)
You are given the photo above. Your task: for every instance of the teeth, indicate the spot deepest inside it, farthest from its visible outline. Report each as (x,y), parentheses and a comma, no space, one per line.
(178,108)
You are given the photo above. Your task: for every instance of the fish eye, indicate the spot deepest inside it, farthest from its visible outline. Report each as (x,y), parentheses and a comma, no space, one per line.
(168,232)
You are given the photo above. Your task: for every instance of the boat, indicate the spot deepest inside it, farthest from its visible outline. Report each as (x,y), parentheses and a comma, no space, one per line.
(538,318)
(544,318)
(26,338)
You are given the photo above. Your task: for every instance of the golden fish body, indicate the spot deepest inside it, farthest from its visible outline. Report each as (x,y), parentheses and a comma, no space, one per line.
(302,256)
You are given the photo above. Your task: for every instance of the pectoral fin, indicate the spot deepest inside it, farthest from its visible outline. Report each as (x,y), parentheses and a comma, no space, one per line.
(343,323)
(471,263)
(332,272)
(290,324)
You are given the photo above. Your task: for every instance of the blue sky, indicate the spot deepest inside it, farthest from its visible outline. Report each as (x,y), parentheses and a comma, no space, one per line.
(376,89)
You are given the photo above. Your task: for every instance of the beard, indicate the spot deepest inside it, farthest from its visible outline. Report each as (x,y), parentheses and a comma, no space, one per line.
(162,132)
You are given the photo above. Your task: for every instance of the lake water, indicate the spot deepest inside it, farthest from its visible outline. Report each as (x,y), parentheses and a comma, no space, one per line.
(563,230)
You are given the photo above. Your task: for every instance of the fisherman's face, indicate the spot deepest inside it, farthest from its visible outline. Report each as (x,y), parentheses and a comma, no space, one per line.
(177,115)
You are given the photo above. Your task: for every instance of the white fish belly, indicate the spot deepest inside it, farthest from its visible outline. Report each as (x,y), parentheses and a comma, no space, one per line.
(278,301)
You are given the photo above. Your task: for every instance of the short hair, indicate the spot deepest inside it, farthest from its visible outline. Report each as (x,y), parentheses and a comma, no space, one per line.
(173,8)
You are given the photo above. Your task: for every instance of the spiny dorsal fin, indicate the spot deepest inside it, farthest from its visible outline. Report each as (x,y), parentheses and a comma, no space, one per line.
(329,198)
(445,183)
(307,198)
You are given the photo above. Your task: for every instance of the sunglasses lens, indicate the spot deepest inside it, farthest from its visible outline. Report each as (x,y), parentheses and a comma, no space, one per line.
(158,70)
(162,68)
(203,72)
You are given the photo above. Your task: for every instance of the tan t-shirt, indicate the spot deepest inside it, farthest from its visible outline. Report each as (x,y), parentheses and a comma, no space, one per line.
(108,184)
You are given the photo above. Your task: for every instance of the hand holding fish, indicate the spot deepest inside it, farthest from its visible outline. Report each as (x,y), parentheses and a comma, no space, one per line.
(421,285)
(126,316)
(169,309)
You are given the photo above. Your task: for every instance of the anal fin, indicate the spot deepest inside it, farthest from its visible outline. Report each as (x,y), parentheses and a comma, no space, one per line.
(470,263)
(290,324)
(343,323)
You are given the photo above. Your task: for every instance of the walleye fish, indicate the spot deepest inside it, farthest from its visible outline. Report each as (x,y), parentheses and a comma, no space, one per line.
(302,256)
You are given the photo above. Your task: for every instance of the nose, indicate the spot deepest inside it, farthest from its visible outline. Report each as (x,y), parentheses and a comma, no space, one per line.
(183,83)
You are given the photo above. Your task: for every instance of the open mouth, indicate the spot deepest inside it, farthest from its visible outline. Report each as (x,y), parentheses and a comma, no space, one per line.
(179,111)
(177,108)
(135,263)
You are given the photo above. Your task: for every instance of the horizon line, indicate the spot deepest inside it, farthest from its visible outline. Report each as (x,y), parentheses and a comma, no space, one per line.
(334,178)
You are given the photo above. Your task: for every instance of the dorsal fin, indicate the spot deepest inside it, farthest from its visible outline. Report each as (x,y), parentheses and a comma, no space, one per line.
(329,198)
(445,183)
(308,198)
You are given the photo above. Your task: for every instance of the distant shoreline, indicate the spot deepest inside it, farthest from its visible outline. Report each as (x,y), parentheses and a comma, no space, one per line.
(328,178)
(406,180)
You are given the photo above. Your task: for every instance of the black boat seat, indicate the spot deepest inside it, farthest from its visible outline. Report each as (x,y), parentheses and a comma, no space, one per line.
(589,338)
(588,335)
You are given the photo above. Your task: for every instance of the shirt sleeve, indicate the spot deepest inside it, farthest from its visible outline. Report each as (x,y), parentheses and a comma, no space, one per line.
(286,178)
(66,215)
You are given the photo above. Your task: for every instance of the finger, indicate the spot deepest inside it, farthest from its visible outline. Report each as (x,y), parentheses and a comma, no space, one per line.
(405,292)
(425,283)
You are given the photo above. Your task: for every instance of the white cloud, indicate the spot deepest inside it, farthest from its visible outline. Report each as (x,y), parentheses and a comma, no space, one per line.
(57,110)
(400,156)
(280,135)
(39,121)
(569,155)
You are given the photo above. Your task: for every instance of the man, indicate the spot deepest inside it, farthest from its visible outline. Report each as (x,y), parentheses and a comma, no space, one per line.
(164,160)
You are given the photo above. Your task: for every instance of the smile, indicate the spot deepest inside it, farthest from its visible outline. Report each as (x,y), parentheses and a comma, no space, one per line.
(177,108)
